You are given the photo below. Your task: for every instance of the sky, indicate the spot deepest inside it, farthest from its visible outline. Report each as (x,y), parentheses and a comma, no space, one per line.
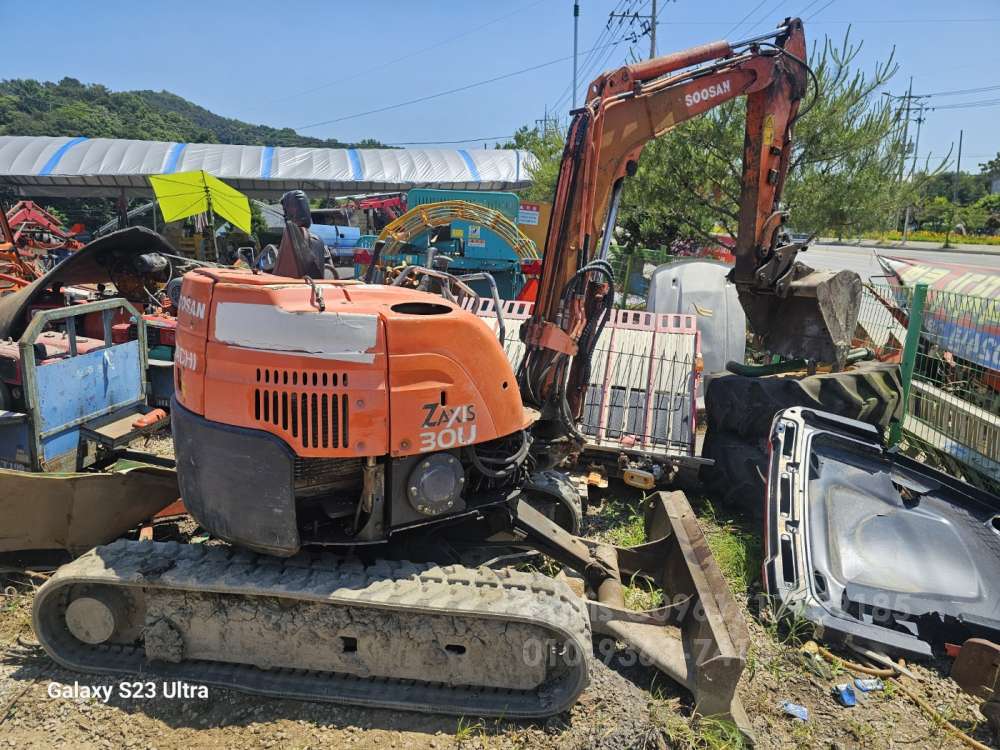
(327,68)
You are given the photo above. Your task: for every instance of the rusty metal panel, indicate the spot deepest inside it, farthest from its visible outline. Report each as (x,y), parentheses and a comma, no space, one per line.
(697,636)
(642,382)
(75,512)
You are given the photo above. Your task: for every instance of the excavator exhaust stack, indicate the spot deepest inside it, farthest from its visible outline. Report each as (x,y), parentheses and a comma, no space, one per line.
(811,314)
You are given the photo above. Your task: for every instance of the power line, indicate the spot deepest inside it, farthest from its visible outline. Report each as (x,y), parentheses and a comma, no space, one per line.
(606,33)
(969,105)
(439,94)
(769,13)
(961,91)
(649,23)
(596,63)
(597,66)
(591,59)
(805,9)
(853,22)
(436,46)
(460,140)
(821,10)
(743,20)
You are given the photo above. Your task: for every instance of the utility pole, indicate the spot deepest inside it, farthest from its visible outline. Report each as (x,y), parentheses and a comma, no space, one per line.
(916,150)
(648,23)
(547,123)
(576,23)
(906,128)
(902,161)
(958,169)
(916,144)
(652,31)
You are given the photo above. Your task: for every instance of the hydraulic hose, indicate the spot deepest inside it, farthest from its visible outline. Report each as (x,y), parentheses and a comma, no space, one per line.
(791,365)
(511,463)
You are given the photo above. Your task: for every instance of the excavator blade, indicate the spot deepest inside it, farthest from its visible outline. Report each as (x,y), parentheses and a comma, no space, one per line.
(698,635)
(812,315)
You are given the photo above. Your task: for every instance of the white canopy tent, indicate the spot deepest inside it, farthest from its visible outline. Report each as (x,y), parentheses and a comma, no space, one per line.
(76,167)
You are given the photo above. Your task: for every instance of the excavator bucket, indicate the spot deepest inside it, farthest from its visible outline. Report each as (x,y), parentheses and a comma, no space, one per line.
(698,635)
(811,315)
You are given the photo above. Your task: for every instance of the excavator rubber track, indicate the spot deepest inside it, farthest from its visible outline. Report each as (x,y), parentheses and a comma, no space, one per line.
(399,635)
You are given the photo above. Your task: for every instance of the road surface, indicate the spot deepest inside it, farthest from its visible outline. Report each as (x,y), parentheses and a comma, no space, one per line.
(862,259)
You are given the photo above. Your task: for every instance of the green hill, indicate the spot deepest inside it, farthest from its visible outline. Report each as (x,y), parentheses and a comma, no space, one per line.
(29,107)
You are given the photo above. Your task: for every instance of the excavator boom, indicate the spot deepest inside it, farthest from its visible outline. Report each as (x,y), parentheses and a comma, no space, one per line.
(796,311)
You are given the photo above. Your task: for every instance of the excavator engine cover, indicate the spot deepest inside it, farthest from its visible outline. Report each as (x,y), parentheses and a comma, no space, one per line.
(812,315)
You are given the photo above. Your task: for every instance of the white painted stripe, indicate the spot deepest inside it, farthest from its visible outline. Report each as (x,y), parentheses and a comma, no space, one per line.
(345,337)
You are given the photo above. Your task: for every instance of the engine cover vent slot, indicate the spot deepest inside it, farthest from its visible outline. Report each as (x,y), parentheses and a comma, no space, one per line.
(313,418)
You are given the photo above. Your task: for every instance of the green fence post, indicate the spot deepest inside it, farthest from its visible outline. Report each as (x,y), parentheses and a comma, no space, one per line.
(913,329)
(628,277)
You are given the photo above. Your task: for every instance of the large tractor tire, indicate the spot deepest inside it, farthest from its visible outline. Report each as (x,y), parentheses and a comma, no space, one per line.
(739,411)
(736,480)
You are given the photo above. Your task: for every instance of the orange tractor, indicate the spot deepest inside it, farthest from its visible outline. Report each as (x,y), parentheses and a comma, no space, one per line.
(376,449)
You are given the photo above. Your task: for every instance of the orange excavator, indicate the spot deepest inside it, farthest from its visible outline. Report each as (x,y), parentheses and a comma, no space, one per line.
(376,464)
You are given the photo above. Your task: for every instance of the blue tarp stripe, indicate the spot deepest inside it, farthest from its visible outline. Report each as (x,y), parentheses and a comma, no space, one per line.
(470,164)
(59,154)
(173,157)
(356,172)
(266,158)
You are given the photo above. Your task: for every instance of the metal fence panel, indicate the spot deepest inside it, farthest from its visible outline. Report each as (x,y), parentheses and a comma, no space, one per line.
(953,407)
(640,397)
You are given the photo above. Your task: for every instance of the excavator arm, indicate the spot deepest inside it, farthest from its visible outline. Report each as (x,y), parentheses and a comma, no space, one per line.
(796,311)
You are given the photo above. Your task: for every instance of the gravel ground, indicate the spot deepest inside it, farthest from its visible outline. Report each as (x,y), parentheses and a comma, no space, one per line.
(625,706)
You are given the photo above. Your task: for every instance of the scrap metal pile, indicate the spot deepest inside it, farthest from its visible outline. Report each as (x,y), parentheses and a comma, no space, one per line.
(32,241)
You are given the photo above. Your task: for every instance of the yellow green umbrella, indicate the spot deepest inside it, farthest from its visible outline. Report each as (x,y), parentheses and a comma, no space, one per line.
(189,193)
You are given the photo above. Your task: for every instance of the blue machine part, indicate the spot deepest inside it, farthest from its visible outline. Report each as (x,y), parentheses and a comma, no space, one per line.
(483,249)
(82,388)
(506,203)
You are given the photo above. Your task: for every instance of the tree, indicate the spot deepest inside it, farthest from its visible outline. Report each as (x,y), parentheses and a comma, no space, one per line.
(971,187)
(547,147)
(69,107)
(845,167)
(990,206)
(684,185)
(72,108)
(991,168)
(848,147)
(938,214)
(971,219)
(935,214)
